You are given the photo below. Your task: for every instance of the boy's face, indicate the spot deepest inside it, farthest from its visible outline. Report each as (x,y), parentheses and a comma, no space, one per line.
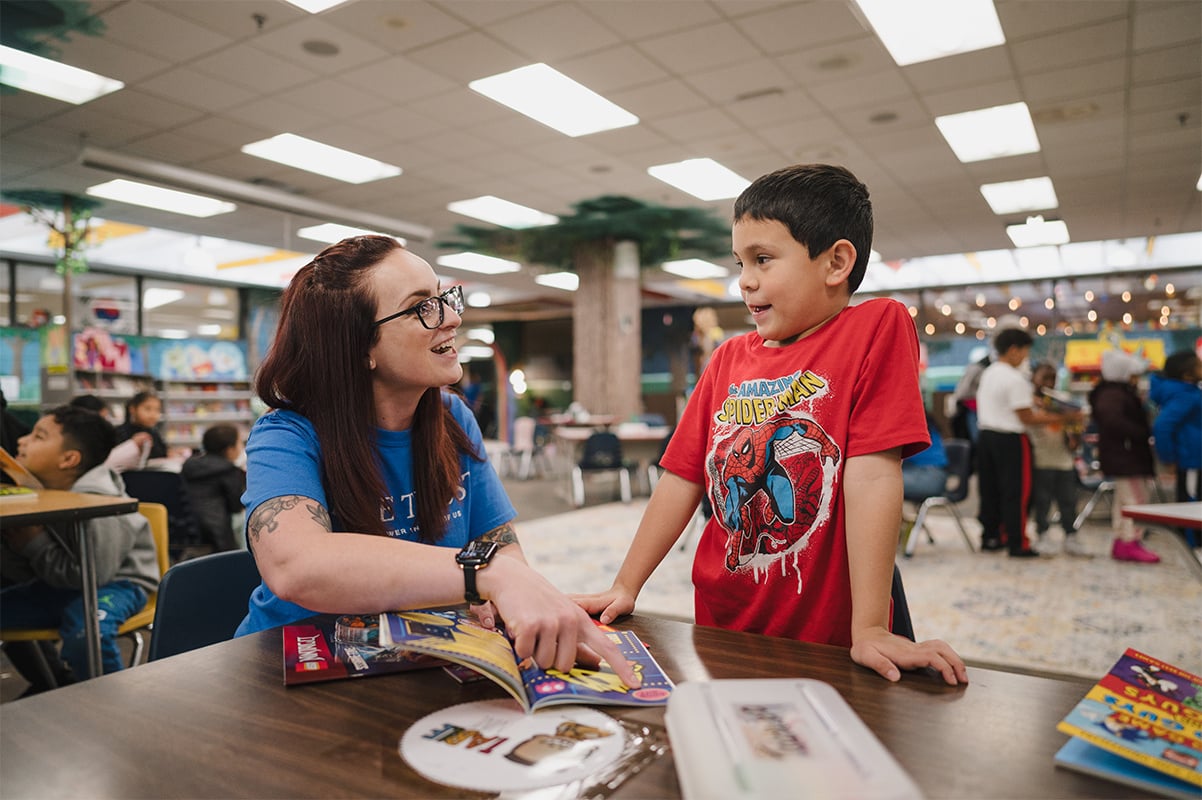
(1015,356)
(45,453)
(785,290)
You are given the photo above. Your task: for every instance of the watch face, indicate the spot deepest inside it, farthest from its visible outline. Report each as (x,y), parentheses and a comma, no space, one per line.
(476,553)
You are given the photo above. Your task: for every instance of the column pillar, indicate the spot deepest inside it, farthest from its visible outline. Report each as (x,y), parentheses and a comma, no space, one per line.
(607,329)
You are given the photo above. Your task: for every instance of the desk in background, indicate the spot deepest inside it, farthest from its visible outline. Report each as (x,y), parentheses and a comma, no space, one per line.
(1172,516)
(51,506)
(640,444)
(218,722)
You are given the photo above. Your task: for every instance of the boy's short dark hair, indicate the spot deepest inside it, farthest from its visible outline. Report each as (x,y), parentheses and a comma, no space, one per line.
(819,204)
(1177,364)
(90,402)
(219,438)
(1010,338)
(86,431)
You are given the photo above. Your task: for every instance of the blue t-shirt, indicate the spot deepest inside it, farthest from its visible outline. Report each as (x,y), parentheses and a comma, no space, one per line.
(283,457)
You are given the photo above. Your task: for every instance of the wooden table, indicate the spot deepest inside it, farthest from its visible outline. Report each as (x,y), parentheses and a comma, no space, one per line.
(218,722)
(50,506)
(1172,516)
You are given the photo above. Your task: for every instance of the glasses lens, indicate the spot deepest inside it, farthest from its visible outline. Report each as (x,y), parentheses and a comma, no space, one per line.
(453,297)
(430,312)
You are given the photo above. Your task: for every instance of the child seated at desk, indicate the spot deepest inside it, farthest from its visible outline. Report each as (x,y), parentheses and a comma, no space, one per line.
(215,483)
(41,571)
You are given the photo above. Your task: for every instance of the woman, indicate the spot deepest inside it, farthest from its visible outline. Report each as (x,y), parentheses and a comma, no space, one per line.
(363,441)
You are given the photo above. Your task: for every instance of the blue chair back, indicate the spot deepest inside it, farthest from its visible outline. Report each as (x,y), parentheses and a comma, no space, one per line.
(602,450)
(959,466)
(201,602)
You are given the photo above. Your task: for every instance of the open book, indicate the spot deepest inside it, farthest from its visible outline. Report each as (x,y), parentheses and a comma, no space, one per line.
(21,476)
(455,636)
(1140,725)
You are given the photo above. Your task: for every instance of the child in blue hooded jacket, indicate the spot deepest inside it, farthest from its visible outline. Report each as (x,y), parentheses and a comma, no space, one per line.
(1178,425)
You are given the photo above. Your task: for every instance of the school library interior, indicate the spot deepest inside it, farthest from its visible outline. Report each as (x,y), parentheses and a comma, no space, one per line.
(572,165)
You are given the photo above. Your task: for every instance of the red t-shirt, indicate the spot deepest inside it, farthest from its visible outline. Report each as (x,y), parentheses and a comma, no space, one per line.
(768,431)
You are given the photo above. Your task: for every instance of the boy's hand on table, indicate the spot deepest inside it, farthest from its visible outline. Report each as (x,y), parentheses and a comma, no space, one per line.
(606,606)
(886,653)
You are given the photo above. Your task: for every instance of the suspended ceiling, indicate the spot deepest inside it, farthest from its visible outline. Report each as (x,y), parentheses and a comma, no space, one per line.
(1114,87)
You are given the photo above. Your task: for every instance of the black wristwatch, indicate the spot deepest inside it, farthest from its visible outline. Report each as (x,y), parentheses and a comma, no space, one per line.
(474,556)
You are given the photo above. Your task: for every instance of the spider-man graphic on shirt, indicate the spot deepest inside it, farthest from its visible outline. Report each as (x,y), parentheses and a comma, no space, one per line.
(772,483)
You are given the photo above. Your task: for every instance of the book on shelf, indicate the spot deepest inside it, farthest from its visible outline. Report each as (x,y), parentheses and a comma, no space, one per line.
(13,469)
(331,646)
(1140,725)
(768,737)
(455,636)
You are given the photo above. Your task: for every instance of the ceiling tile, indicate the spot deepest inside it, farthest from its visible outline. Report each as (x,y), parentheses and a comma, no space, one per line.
(468,56)
(694,50)
(793,26)
(396,27)
(1078,46)
(611,70)
(197,89)
(160,33)
(553,32)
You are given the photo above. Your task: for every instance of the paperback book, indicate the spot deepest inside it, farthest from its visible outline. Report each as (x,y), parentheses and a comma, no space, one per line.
(347,646)
(1140,725)
(16,493)
(455,636)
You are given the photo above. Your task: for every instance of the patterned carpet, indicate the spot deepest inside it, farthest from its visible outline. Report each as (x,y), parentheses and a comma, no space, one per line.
(1066,614)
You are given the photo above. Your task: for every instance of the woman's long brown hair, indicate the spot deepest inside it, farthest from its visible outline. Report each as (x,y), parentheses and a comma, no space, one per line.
(318,367)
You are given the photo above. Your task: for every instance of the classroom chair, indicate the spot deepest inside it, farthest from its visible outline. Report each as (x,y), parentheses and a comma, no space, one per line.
(959,470)
(602,453)
(134,627)
(202,601)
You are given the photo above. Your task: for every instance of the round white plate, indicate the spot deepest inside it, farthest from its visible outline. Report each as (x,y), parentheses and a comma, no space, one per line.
(494,746)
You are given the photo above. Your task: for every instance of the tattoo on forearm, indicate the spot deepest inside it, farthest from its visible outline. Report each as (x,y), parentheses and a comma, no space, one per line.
(265,518)
(502,535)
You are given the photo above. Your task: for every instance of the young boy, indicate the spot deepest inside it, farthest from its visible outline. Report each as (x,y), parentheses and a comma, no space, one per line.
(1005,406)
(796,432)
(215,485)
(66,450)
(1053,474)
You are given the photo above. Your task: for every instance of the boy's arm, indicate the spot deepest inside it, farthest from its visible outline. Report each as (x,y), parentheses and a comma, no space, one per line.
(668,512)
(872,499)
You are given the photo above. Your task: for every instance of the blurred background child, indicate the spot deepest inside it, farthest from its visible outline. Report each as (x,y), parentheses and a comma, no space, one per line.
(215,482)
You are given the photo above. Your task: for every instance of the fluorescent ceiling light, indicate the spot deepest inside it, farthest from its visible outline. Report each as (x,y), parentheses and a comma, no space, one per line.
(568,281)
(315,6)
(479,300)
(1199,186)
(209,329)
(990,132)
(323,159)
(1015,197)
(330,232)
(171,333)
(43,76)
(874,257)
(1036,231)
(923,30)
(155,297)
(703,178)
(158,197)
(552,98)
(475,352)
(502,212)
(694,268)
(478,262)
(485,335)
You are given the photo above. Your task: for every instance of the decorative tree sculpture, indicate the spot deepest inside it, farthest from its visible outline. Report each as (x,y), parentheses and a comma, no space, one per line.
(68,219)
(604,242)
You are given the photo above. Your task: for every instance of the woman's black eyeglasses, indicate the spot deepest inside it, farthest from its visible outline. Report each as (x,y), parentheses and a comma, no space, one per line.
(430,311)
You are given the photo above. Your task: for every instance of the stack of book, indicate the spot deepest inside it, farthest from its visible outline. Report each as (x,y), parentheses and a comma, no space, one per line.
(1140,725)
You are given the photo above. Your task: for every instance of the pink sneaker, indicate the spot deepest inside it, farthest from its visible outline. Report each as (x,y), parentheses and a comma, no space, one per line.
(1133,551)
